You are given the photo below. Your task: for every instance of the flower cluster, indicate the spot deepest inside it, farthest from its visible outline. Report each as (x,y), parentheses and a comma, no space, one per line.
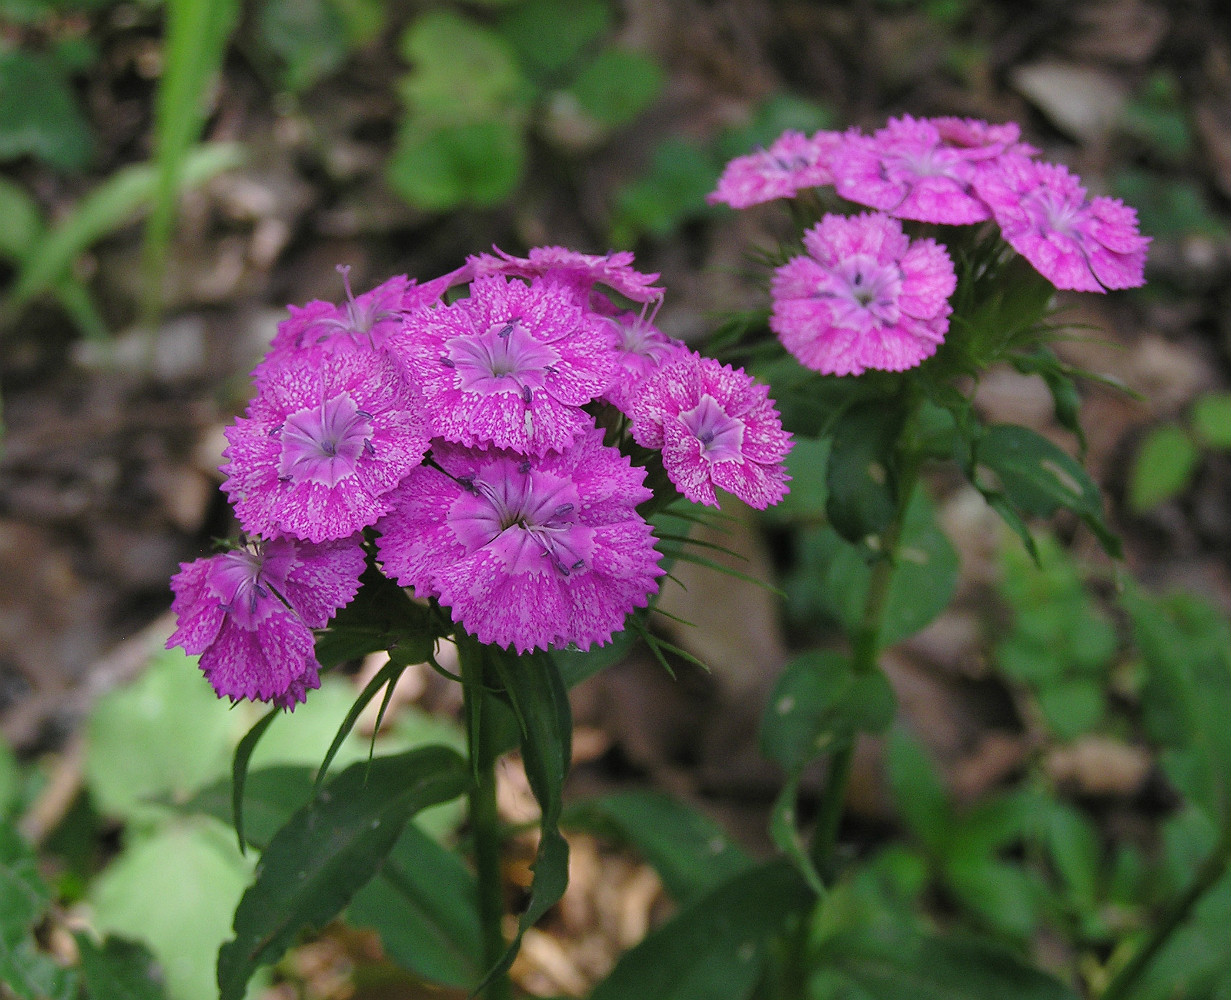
(866,295)
(480,449)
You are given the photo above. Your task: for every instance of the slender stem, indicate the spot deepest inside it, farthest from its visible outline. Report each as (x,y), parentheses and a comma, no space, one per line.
(865,651)
(485,826)
(1208,874)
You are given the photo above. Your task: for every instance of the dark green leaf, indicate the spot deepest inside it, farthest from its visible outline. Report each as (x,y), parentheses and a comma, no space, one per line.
(1004,895)
(918,792)
(681,174)
(617,86)
(1073,844)
(38,113)
(239,771)
(690,852)
(804,715)
(271,797)
(861,476)
(119,969)
(550,34)
(1036,478)
(936,968)
(328,851)
(539,699)
(1163,467)
(23,223)
(1072,706)
(575,666)
(423,903)
(381,617)
(714,948)
(439,168)
(806,465)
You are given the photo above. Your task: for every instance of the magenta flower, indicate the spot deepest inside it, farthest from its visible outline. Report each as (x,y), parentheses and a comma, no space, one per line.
(325,440)
(249,614)
(578,270)
(531,553)
(865,296)
(640,350)
(1084,244)
(792,163)
(716,426)
(979,140)
(362,321)
(911,171)
(511,365)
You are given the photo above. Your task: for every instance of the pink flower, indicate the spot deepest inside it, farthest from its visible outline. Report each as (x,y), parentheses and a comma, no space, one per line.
(536,553)
(249,613)
(579,270)
(912,171)
(511,365)
(363,321)
(866,296)
(978,140)
(716,427)
(792,163)
(640,349)
(325,440)
(1088,245)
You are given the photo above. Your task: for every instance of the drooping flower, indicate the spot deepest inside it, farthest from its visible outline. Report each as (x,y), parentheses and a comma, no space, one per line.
(325,440)
(1076,242)
(510,366)
(865,296)
(530,553)
(792,163)
(579,270)
(716,426)
(909,170)
(640,350)
(249,614)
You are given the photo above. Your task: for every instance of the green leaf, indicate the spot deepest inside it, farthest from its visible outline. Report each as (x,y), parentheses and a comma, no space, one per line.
(328,851)
(194,46)
(272,795)
(548,35)
(861,476)
(1036,478)
(779,112)
(681,174)
(312,38)
(118,968)
(576,666)
(438,169)
(714,948)
(930,967)
(1072,706)
(424,904)
(1004,895)
(805,713)
(202,875)
(539,699)
(461,72)
(239,771)
(617,86)
(167,734)
(1211,420)
(1185,644)
(381,617)
(1073,844)
(918,792)
(1163,467)
(23,222)
(691,853)
(24,899)
(39,114)
(806,465)
(115,203)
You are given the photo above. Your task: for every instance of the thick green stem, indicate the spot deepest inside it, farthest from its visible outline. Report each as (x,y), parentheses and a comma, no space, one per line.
(1208,874)
(485,828)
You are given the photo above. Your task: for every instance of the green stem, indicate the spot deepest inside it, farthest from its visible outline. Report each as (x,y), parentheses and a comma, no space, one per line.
(1208,874)
(485,828)
(865,643)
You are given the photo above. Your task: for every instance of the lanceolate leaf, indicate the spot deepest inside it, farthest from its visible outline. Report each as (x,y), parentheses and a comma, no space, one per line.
(1036,478)
(424,905)
(539,699)
(714,948)
(690,852)
(330,849)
